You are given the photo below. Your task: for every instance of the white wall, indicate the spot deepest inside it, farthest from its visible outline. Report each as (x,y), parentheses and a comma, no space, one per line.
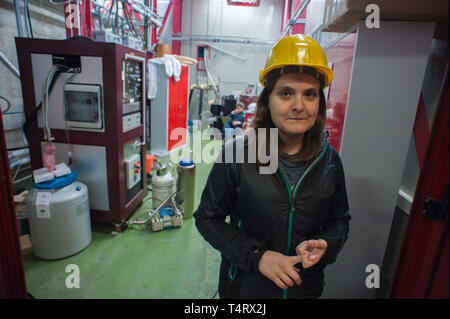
(215,18)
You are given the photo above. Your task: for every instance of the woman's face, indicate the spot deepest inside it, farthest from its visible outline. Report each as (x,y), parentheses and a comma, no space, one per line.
(294,103)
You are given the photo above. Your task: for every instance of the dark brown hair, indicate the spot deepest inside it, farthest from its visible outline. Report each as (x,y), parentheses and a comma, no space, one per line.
(313,138)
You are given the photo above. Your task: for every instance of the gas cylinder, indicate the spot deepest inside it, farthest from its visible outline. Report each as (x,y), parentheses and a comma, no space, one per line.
(186,187)
(163,184)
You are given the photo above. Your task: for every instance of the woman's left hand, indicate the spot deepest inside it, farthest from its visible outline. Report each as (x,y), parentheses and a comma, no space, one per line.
(311,251)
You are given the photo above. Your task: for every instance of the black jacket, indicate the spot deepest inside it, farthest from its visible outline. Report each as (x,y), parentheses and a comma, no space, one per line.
(264,217)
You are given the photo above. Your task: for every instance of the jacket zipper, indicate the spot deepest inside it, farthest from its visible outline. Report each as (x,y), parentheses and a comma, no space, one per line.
(292,198)
(233,268)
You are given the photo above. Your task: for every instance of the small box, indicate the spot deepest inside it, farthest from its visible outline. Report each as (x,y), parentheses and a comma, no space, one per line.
(107,36)
(25,244)
(61,169)
(132,42)
(42,175)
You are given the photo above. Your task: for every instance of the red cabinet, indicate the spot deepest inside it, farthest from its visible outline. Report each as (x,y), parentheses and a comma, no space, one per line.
(169,111)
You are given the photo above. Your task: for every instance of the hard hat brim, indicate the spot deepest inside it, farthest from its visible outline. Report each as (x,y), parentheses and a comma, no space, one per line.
(327,72)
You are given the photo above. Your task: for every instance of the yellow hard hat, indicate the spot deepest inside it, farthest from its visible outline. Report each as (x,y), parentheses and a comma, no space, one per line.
(300,50)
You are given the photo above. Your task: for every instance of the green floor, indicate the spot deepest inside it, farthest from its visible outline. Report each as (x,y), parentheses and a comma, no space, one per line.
(137,263)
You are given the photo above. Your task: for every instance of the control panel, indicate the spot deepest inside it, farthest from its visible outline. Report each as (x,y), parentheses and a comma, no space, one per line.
(132,94)
(132,86)
(133,170)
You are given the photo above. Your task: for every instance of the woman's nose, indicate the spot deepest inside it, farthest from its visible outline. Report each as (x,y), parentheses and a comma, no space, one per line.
(297,103)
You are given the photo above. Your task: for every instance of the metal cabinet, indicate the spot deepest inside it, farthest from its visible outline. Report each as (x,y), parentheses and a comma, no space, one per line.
(169,112)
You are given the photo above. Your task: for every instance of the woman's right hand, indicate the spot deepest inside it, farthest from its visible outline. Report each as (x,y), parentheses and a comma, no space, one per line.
(280,268)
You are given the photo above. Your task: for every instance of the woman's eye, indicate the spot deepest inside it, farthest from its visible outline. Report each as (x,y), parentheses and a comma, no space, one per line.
(285,93)
(310,94)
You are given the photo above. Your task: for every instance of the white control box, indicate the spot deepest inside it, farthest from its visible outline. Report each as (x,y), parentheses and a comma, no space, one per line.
(131,121)
(133,170)
(132,42)
(107,36)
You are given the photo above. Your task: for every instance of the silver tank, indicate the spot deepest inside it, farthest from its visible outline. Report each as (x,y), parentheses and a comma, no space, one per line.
(186,187)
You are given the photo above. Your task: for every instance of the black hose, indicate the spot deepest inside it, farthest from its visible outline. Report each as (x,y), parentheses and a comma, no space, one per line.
(130,21)
(109,15)
(116,21)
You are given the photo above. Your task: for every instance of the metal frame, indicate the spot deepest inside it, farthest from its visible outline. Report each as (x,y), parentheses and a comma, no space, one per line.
(113,139)
(418,263)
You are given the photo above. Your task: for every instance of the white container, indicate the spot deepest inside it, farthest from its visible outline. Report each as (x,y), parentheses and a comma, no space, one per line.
(60,223)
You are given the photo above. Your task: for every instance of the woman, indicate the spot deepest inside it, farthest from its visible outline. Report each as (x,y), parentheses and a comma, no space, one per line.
(284,228)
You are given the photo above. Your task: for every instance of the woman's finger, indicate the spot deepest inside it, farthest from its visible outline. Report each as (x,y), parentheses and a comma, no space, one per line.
(319,243)
(286,279)
(293,260)
(301,249)
(279,283)
(293,274)
(308,260)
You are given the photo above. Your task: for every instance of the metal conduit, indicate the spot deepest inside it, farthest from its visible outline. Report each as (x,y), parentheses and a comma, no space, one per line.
(9,65)
(297,13)
(18,18)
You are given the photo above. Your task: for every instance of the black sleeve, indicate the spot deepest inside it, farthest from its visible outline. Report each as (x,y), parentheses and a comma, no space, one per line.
(336,227)
(216,203)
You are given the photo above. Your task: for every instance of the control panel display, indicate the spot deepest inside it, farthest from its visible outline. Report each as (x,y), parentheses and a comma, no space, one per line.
(132,86)
(83,106)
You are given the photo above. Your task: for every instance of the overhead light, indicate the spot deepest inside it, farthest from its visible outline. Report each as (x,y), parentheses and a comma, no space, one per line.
(247,3)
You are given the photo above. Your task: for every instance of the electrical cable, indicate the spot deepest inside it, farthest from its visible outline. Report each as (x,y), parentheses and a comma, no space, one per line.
(125,13)
(108,25)
(33,115)
(116,20)
(17,172)
(8,104)
(16,148)
(100,27)
(45,95)
(29,22)
(131,24)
